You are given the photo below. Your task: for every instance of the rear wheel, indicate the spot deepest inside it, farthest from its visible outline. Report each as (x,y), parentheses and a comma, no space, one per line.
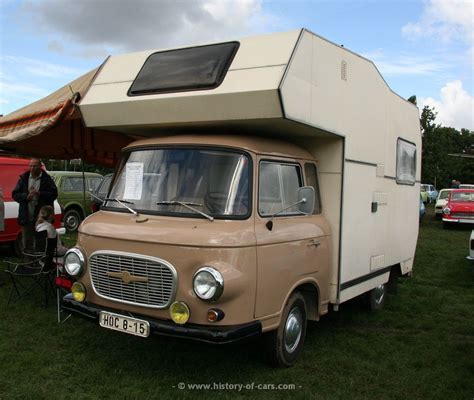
(72,220)
(283,345)
(377,297)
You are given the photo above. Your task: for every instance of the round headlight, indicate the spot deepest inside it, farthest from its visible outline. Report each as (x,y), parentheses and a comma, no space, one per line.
(208,284)
(179,312)
(78,292)
(447,211)
(74,262)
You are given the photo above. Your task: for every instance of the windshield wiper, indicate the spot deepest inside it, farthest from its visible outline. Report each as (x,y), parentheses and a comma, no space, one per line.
(189,205)
(123,204)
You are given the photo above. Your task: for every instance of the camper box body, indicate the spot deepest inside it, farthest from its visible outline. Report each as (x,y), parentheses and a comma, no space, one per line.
(329,106)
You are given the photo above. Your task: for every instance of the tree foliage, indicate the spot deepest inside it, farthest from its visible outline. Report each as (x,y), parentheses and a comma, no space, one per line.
(445,152)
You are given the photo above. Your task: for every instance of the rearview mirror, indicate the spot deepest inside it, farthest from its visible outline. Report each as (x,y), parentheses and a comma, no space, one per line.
(306,200)
(305,204)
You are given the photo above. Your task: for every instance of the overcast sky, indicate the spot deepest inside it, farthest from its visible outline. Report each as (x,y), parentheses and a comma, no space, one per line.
(422,48)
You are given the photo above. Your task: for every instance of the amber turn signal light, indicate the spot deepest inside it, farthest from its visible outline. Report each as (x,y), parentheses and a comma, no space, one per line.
(214,315)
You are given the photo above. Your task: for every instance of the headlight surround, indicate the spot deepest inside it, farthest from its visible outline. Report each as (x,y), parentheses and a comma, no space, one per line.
(74,262)
(208,284)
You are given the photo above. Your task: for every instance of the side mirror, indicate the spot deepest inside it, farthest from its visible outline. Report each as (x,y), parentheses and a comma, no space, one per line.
(305,204)
(306,200)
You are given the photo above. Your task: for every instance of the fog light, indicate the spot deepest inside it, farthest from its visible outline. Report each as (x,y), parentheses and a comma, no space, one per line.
(215,315)
(179,312)
(78,291)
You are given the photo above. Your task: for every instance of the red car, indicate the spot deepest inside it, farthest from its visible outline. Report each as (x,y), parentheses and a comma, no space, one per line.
(10,232)
(459,208)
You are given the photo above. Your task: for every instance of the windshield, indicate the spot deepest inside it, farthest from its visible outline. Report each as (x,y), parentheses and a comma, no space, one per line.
(423,188)
(463,196)
(444,194)
(214,182)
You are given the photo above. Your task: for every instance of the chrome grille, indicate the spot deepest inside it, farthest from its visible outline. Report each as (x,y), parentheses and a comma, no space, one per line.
(157,292)
(463,215)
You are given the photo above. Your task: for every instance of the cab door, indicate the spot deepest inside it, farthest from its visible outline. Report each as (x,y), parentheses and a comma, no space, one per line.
(296,247)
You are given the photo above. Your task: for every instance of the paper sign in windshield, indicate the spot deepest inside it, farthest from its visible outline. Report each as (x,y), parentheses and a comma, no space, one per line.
(133,181)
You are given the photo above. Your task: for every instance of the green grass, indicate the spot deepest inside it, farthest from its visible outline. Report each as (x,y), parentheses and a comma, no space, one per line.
(421,346)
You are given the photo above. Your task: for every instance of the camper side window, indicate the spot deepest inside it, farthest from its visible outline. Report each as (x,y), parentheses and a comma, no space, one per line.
(311,177)
(406,162)
(278,188)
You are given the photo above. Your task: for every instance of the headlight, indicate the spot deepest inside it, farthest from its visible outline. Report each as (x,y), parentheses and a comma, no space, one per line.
(78,292)
(179,312)
(447,211)
(208,284)
(74,262)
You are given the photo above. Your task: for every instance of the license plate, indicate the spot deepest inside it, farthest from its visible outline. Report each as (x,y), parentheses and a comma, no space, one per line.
(121,323)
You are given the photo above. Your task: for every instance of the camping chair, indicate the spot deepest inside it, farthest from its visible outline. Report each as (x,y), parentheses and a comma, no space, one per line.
(63,285)
(37,271)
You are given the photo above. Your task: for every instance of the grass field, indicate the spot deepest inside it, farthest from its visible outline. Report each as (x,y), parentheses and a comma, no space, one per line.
(421,346)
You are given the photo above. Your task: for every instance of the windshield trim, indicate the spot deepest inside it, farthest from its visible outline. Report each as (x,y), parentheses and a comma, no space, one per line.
(126,153)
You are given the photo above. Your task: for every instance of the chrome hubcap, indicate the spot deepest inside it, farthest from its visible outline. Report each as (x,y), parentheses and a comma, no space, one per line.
(379,294)
(71,222)
(293,328)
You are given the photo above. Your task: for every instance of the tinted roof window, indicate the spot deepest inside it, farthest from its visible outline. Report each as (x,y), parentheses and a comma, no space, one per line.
(194,68)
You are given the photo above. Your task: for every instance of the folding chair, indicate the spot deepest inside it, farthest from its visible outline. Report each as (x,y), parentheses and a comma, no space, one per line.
(36,272)
(63,285)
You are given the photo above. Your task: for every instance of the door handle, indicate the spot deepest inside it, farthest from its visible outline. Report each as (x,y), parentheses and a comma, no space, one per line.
(314,243)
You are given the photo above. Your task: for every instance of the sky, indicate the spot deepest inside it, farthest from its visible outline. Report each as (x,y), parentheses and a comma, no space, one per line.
(421,47)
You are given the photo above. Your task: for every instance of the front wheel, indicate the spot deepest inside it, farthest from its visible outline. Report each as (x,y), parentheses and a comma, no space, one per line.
(72,220)
(283,345)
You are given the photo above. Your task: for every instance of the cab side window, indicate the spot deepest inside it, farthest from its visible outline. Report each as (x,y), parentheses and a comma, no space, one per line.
(278,187)
(311,176)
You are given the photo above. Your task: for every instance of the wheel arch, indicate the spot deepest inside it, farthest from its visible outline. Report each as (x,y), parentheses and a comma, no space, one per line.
(310,290)
(74,206)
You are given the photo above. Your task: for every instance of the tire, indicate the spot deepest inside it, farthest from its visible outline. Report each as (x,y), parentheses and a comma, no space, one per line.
(72,219)
(377,297)
(284,345)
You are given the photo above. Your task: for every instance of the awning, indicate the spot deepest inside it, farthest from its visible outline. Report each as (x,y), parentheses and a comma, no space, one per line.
(53,128)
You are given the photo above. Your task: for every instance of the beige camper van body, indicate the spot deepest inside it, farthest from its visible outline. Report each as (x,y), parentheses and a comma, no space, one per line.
(245,252)
(292,98)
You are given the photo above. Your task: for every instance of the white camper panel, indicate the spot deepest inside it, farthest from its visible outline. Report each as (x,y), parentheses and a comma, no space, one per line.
(339,92)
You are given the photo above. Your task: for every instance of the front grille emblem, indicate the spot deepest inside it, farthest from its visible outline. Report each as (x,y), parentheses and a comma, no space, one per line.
(126,277)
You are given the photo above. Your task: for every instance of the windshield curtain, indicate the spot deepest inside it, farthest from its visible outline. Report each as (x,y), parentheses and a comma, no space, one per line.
(215,182)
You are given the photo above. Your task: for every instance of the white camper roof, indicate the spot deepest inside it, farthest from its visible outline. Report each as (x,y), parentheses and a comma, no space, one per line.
(295,75)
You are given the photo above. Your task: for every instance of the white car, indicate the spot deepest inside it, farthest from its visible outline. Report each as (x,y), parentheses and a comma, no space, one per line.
(466,186)
(471,247)
(441,202)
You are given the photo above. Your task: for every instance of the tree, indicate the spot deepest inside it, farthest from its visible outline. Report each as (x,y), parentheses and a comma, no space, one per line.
(442,148)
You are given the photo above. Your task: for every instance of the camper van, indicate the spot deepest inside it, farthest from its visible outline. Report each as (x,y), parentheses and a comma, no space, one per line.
(274,178)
